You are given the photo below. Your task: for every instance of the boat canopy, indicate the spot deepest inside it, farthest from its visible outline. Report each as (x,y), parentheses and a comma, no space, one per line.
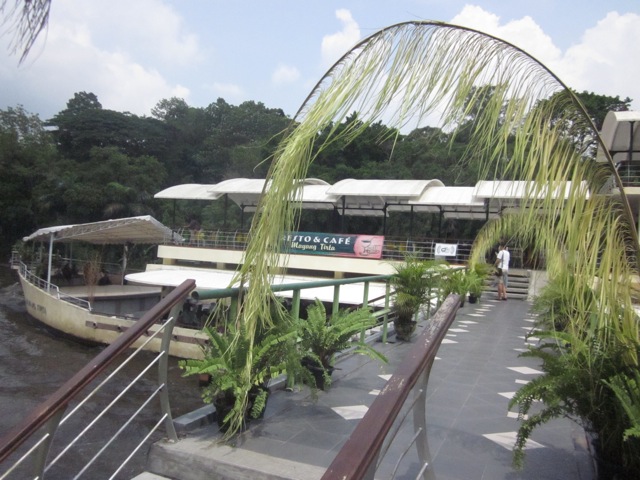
(143,229)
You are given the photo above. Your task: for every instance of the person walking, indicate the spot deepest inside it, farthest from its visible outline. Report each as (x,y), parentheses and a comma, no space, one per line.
(502,263)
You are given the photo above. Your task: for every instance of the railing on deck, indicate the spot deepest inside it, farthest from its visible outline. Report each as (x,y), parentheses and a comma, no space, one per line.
(51,288)
(36,433)
(368,444)
(394,248)
(358,458)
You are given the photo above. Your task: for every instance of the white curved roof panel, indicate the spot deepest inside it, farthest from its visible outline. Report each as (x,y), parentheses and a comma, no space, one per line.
(187,191)
(143,229)
(617,130)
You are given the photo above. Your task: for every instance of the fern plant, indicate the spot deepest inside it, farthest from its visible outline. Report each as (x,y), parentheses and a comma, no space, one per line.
(627,389)
(322,337)
(272,354)
(577,383)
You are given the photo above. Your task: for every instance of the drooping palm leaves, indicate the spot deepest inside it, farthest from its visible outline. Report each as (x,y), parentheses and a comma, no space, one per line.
(417,71)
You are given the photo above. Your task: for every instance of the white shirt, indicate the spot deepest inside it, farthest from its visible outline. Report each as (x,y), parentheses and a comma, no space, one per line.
(504,256)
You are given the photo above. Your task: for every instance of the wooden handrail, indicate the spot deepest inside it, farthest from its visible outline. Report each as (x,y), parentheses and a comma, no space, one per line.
(61,397)
(356,458)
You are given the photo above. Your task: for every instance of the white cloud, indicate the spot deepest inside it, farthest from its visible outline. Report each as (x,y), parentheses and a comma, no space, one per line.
(523,33)
(337,44)
(231,90)
(603,61)
(94,47)
(284,74)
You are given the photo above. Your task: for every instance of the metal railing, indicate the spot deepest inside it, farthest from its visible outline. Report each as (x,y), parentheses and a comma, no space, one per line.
(30,450)
(34,437)
(52,288)
(371,440)
(394,248)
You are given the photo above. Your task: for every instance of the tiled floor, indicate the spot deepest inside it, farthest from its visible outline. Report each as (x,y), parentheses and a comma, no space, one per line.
(470,431)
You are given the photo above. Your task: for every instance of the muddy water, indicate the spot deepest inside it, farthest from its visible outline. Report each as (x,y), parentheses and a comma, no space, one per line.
(35,361)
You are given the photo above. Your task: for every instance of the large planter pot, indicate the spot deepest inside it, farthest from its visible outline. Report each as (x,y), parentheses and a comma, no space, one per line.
(317,372)
(404,330)
(224,404)
(473,298)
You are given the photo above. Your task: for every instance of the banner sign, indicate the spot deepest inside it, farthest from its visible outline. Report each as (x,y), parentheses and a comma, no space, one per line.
(446,249)
(360,246)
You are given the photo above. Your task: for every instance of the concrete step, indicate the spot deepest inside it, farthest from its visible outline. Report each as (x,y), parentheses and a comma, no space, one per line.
(518,285)
(149,476)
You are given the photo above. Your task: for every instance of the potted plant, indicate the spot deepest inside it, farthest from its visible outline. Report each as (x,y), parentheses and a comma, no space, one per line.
(413,282)
(456,281)
(322,337)
(238,396)
(476,276)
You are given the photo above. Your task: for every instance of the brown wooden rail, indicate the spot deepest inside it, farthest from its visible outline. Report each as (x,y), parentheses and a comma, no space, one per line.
(357,457)
(61,398)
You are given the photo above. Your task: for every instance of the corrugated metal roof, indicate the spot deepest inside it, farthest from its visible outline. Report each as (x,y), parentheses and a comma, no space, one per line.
(143,229)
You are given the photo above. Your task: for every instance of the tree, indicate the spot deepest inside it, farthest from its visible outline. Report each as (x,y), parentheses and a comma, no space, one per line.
(580,133)
(112,184)
(27,160)
(84,124)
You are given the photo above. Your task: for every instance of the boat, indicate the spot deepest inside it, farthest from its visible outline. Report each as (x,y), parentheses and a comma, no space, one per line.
(99,313)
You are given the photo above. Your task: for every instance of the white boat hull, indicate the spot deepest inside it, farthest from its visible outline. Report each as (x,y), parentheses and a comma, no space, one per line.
(90,326)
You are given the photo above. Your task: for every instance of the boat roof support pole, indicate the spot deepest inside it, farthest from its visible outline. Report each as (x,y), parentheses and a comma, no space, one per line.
(49,262)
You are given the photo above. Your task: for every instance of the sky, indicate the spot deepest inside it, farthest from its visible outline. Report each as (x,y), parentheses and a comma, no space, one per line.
(132,54)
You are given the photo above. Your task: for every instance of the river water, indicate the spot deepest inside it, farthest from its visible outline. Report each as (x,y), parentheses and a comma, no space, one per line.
(35,361)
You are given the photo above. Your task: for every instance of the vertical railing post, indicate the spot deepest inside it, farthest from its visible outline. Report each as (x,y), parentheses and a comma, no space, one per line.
(295,304)
(295,314)
(365,303)
(163,367)
(387,303)
(336,300)
(420,424)
(42,452)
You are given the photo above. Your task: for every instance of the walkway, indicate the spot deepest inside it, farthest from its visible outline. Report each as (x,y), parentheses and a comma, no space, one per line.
(470,431)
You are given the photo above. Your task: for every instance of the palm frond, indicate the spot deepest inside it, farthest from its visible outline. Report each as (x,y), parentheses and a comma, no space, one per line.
(412,71)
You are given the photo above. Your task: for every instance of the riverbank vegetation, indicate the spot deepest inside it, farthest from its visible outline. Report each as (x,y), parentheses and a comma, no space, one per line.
(88,163)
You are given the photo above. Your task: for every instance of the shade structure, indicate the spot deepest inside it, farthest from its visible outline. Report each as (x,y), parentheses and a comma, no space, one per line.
(142,229)
(621,136)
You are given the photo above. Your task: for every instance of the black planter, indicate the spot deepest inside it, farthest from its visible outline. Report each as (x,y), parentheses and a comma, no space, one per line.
(224,404)
(404,330)
(317,372)
(253,395)
(473,298)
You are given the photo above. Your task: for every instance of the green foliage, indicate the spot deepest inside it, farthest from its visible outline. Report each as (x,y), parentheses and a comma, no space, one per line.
(455,281)
(475,281)
(626,387)
(321,337)
(414,282)
(237,363)
(577,383)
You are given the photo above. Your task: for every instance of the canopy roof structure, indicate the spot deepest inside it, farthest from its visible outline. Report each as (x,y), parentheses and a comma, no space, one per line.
(621,135)
(143,229)
(378,198)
